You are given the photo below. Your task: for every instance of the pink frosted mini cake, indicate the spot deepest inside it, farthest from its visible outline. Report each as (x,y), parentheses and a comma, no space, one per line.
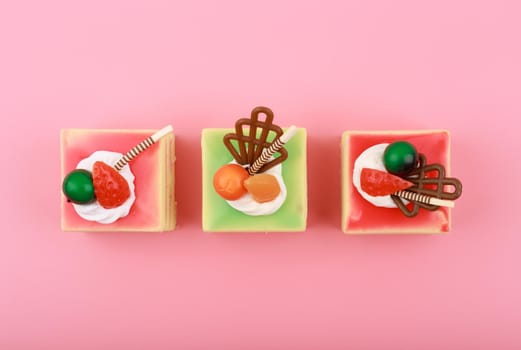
(106,187)
(397,182)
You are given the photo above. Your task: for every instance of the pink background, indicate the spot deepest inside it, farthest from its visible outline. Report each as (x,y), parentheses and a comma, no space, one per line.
(325,65)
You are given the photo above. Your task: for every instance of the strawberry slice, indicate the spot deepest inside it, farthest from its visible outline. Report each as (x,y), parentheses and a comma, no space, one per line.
(111,189)
(380,183)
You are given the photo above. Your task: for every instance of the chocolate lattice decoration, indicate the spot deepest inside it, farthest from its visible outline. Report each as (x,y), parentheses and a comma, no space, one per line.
(430,186)
(245,145)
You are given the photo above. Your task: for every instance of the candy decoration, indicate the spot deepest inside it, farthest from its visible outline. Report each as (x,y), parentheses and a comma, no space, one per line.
(270,151)
(228,181)
(110,187)
(380,183)
(143,145)
(400,158)
(78,187)
(262,187)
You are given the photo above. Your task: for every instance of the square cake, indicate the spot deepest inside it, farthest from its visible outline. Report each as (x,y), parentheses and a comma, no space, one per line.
(359,216)
(154,207)
(219,216)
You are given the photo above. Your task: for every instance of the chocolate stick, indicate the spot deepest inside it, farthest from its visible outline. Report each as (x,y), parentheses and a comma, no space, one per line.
(143,145)
(422,198)
(274,147)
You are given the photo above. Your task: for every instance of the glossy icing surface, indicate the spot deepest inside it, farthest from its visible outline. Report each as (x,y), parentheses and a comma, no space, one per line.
(218,216)
(153,209)
(360,216)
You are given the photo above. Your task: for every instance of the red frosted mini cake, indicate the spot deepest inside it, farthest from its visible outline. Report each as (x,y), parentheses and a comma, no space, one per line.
(117,180)
(397,182)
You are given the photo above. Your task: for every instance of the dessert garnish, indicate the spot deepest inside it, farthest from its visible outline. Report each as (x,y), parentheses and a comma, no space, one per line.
(257,147)
(102,183)
(78,186)
(431,189)
(251,144)
(400,157)
(143,145)
(275,147)
(408,177)
(262,187)
(379,183)
(228,181)
(110,187)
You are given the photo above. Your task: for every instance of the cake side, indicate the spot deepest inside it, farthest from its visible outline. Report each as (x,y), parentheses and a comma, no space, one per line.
(346,183)
(170,206)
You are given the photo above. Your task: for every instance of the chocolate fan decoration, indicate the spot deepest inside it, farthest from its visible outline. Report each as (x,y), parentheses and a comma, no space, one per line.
(429,186)
(251,138)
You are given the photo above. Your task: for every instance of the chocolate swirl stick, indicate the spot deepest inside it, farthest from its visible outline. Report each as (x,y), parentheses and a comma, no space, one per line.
(425,199)
(143,145)
(268,152)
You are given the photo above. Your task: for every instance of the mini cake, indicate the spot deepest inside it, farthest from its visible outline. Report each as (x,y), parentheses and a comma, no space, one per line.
(117,180)
(254,176)
(397,182)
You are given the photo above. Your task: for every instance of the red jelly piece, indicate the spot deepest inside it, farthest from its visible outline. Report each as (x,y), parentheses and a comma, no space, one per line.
(110,187)
(380,183)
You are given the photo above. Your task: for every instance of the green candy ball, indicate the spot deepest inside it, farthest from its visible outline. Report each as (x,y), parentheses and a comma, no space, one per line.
(400,158)
(78,187)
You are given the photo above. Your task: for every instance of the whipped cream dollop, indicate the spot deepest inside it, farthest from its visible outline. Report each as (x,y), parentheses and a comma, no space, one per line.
(249,206)
(94,211)
(372,158)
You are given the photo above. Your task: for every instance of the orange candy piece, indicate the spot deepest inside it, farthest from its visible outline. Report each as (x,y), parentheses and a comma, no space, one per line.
(262,187)
(228,181)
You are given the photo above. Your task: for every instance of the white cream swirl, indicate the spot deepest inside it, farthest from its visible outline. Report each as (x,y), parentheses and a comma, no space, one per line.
(249,206)
(94,211)
(372,158)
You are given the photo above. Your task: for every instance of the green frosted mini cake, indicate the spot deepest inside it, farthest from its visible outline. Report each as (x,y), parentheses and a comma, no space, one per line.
(254,184)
